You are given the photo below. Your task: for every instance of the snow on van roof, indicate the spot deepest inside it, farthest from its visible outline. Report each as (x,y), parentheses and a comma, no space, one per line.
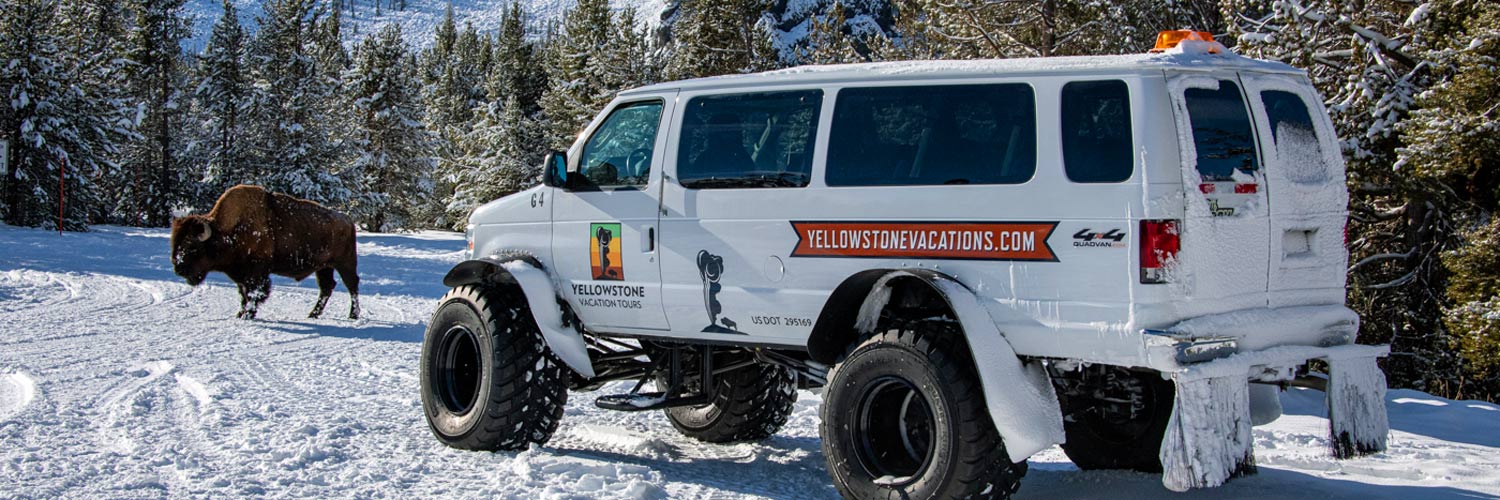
(1181,58)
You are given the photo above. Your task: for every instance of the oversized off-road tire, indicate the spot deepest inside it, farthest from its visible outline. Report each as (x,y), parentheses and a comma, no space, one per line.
(904,417)
(489,382)
(1103,434)
(751,404)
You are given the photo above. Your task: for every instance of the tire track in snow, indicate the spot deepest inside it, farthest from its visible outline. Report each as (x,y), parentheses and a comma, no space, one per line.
(112,406)
(17,389)
(24,290)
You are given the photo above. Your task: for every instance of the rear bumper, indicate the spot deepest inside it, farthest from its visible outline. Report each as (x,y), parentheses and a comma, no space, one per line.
(1264,337)
(1208,439)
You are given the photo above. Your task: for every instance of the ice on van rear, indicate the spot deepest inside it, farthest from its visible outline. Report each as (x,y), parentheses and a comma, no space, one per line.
(1258,328)
(1357,418)
(1202,448)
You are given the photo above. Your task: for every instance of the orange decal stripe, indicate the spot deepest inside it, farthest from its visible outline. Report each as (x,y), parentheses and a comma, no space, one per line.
(1022,241)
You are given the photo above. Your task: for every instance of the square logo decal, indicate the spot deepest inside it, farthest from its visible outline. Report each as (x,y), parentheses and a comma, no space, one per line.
(604,251)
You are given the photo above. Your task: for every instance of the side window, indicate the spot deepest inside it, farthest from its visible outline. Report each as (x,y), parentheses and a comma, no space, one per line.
(1221,132)
(933,135)
(748,140)
(620,151)
(1297,146)
(1096,136)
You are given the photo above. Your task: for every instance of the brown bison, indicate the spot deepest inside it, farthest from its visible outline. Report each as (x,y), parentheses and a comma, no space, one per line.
(252,233)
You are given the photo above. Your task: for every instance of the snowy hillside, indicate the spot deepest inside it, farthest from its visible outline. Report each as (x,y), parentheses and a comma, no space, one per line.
(118,380)
(417,22)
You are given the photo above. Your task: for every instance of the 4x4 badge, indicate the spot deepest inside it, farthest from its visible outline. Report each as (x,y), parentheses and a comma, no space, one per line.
(1087,238)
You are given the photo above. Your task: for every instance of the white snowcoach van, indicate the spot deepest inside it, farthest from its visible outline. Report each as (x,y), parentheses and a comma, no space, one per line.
(974,260)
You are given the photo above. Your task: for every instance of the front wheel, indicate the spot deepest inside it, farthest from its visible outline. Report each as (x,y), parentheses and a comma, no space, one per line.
(904,417)
(488,380)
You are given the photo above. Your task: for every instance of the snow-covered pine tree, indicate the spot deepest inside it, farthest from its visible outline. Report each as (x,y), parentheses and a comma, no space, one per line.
(517,72)
(95,34)
(61,135)
(721,37)
(472,175)
(452,74)
(503,156)
(1452,142)
(390,148)
(328,42)
(443,80)
(294,117)
(1367,61)
(447,113)
(154,174)
(222,99)
(830,39)
(629,58)
(1473,318)
(910,36)
(574,92)
(972,29)
(475,57)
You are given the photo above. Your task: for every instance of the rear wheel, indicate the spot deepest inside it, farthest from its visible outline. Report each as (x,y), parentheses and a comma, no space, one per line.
(488,380)
(750,404)
(904,417)
(1116,419)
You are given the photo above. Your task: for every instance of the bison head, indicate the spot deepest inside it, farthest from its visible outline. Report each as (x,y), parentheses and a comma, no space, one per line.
(192,248)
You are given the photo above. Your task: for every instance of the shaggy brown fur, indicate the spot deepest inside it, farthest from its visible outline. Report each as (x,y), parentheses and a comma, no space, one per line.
(252,233)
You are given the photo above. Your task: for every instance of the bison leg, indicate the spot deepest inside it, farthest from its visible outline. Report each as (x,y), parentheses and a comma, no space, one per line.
(351,281)
(325,289)
(244,303)
(252,293)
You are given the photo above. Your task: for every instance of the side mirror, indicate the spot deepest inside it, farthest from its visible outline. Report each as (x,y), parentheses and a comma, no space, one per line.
(555,169)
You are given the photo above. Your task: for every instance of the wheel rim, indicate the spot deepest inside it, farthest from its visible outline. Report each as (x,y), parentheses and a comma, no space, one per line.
(894,435)
(459,370)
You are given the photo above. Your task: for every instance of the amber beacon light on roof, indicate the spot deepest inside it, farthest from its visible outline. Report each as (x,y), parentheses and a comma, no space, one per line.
(1168,39)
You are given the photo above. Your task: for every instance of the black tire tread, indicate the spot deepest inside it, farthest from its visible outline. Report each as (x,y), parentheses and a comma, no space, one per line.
(984,470)
(528,384)
(754,402)
(1089,450)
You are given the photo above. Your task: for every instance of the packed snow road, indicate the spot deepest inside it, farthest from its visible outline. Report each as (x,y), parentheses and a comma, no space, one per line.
(117,380)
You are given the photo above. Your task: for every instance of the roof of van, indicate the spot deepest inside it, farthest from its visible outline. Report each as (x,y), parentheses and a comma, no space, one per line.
(958,69)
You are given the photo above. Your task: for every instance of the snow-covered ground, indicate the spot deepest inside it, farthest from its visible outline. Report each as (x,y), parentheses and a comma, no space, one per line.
(117,380)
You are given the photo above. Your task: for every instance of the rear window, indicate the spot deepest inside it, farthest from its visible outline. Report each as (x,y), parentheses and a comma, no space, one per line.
(933,135)
(749,140)
(1297,147)
(1221,132)
(1096,135)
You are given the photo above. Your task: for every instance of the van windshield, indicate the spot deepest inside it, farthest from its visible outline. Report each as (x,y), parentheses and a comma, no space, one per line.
(1221,132)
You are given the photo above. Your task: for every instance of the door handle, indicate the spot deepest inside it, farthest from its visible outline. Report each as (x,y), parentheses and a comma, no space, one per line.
(650,243)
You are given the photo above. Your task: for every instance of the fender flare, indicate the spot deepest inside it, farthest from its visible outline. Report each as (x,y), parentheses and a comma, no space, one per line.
(1020,398)
(536,284)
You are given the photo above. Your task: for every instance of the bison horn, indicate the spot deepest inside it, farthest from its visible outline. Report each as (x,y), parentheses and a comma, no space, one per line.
(208,230)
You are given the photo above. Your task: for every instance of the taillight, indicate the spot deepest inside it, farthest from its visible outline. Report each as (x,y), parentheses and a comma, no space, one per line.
(1159,246)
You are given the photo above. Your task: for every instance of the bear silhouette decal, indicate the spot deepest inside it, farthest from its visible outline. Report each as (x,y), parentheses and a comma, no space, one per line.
(711,268)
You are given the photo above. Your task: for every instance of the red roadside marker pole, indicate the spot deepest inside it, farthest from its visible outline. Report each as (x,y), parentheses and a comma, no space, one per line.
(62,174)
